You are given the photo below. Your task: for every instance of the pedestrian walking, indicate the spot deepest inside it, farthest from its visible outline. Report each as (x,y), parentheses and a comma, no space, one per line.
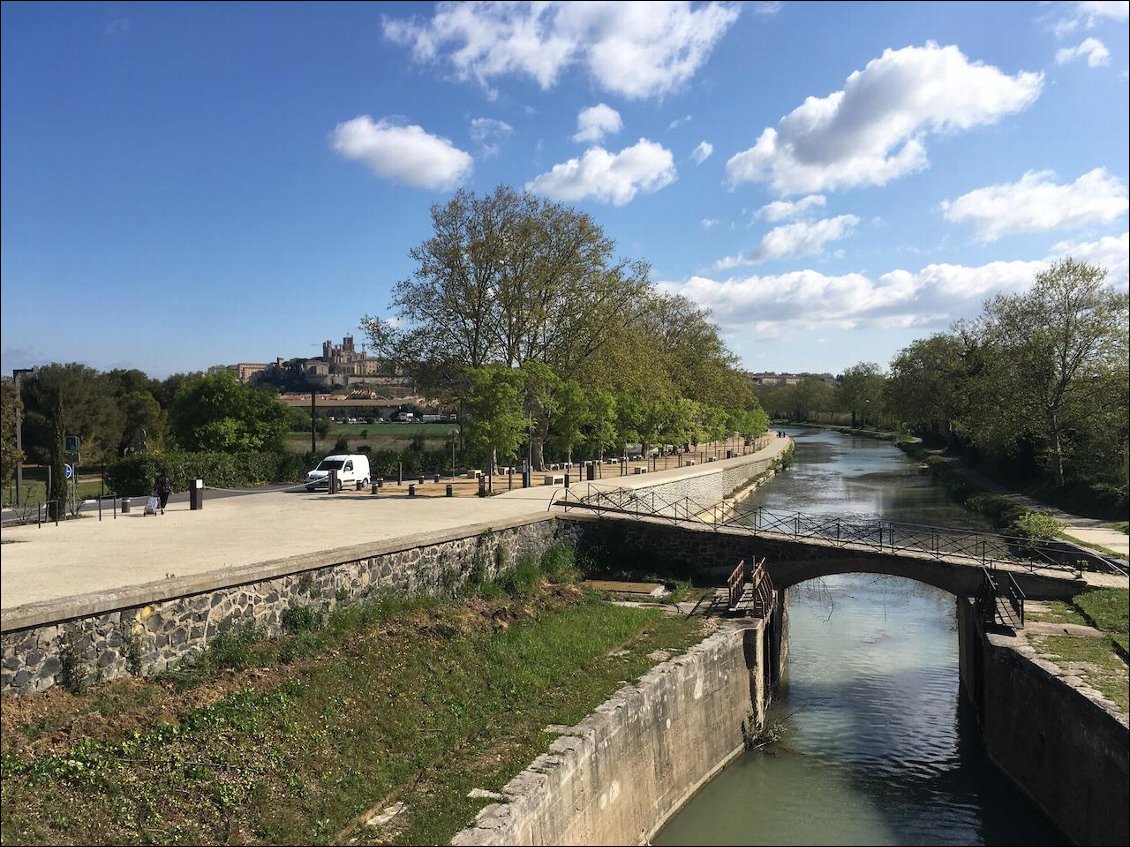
(164,488)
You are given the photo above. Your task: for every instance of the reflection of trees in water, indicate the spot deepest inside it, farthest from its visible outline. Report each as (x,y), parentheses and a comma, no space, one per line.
(883,588)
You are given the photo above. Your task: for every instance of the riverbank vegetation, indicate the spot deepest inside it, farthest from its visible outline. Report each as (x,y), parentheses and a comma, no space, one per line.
(1035,391)
(369,724)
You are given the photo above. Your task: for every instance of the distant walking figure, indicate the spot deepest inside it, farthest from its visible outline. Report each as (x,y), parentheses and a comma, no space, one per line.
(164,488)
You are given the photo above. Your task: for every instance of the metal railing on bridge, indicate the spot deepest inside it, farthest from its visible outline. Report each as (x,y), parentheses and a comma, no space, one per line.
(847,531)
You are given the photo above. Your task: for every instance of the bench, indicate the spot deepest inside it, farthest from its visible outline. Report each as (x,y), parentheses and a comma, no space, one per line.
(639,470)
(689,462)
(554,479)
(474,474)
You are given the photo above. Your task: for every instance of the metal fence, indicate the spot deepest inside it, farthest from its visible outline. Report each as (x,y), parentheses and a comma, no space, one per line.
(846,531)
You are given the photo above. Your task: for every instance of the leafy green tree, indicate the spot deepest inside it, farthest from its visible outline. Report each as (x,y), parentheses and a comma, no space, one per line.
(810,396)
(496,409)
(540,391)
(89,409)
(572,417)
(927,385)
(1049,352)
(11,408)
(215,411)
(601,420)
(861,392)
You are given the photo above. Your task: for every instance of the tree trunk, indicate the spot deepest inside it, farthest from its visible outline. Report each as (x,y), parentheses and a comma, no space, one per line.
(1057,451)
(57,495)
(538,444)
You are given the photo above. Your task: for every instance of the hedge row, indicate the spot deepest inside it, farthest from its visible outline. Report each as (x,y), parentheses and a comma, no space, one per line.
(135,475)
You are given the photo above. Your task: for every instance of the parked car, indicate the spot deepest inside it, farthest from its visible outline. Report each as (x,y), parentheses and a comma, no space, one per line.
(351,468)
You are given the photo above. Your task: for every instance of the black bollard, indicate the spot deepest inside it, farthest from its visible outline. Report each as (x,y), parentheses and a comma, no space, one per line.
(482,487)
(449,492)
(196,496)
(411,489)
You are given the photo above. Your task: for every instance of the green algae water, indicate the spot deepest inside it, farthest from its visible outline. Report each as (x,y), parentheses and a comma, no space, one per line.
(873,743)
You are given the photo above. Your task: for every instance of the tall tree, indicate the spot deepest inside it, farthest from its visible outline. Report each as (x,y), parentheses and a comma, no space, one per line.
(215,411)
(926,387)
(861,391)
(11,409)
(495,408)
(508,278)
(1048,353)
(85,399)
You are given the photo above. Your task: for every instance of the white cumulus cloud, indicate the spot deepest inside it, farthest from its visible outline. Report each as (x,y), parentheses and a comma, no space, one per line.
(490,134)
(1037,204)
(874,130)
(595,122)
(794,240)
(1088,15)
(405,154)
(702,152)
(1091,49)
(1111,252)
(780,210)
(636,50)
(779,305)
(607,177)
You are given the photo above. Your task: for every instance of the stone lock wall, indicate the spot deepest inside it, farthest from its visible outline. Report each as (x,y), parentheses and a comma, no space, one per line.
(1058,740)
(617,776)
(154,627)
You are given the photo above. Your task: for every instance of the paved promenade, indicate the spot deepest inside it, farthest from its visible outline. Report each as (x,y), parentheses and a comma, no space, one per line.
(85,556)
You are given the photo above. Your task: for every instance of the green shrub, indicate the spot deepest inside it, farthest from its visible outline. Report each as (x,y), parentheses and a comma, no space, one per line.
(1035,526)
(559,562)
(232,647)
(136,474)
(521,579)
(302,618)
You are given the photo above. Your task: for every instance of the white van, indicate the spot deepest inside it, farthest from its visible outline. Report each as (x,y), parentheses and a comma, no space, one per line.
(351,469)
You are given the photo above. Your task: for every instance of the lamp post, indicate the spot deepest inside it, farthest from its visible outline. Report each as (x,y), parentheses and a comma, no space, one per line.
(452,433)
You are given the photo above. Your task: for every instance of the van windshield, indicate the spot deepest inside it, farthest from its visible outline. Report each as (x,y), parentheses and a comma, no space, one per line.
(330,465)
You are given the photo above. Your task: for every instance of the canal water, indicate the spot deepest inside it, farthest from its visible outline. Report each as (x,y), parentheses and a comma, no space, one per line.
(871,743)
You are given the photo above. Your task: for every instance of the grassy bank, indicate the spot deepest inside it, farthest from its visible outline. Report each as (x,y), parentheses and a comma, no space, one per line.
(1100,662)
(303,738)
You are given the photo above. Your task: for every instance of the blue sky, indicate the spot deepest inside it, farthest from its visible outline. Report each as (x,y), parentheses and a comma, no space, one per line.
(194,184)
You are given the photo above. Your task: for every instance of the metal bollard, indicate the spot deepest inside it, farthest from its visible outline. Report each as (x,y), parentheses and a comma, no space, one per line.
(376,487)
(411,489)
(449,492)
(482,487)
(196,496)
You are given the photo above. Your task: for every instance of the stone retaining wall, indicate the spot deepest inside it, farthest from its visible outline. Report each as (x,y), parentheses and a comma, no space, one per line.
(1059,741)
(618,775)
(156,626)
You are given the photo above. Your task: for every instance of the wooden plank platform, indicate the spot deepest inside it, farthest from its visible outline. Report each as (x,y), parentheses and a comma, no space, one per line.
(642,589)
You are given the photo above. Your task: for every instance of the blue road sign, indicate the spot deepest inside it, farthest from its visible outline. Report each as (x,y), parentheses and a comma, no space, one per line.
(70,471)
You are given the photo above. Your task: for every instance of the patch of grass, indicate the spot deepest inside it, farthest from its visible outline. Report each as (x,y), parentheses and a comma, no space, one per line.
(1107,609)
(1122,526)
(412,701)
(1094,660)
(1054,611)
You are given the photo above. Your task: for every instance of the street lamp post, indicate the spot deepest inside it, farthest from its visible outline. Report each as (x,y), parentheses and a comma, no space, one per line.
(452,433)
